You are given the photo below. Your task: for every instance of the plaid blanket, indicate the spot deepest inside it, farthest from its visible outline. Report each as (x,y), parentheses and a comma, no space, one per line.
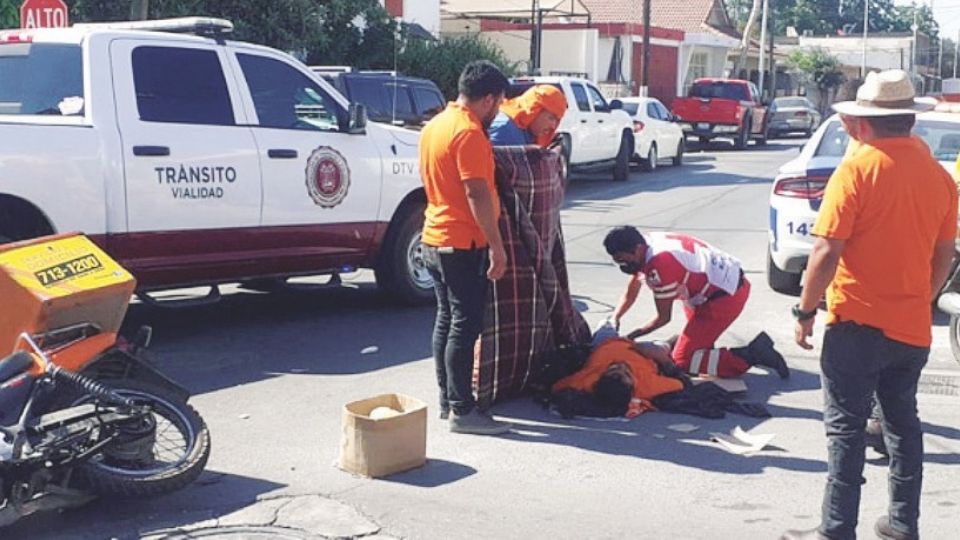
(529,311)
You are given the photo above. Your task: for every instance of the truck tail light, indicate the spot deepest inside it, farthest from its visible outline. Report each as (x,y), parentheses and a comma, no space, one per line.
(15,37)
(637,126)
(801,187)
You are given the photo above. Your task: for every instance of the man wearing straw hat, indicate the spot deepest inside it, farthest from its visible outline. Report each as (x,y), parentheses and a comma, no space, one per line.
(885,244)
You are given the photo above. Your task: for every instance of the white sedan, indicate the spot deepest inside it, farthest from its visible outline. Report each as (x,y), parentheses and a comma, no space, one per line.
(656,134)
(798,191)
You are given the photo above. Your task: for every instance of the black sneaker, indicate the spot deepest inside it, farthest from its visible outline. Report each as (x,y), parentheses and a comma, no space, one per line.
(763,354)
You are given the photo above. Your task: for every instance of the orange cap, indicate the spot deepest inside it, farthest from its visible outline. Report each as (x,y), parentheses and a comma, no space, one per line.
(525,108)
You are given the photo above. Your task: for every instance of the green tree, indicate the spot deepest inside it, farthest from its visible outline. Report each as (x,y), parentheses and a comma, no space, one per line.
(357,33)
(818,67)
(442,61)
(353,32)
(829,17)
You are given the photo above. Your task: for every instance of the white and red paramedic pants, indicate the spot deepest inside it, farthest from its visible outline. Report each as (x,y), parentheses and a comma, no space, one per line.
(695,350)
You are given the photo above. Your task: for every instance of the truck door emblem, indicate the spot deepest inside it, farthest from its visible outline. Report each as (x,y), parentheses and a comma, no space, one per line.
(328,177)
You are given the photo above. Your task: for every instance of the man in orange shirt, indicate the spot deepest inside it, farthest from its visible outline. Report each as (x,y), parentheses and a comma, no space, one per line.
(463,249)
(885,245)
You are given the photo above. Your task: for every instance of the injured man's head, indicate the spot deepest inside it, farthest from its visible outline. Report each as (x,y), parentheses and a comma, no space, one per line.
(614,389)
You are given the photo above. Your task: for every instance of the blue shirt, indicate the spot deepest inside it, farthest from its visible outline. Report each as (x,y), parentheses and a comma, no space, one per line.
(505,132)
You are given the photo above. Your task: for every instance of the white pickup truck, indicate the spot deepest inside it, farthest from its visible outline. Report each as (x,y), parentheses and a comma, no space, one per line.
(194,160)
(594,133)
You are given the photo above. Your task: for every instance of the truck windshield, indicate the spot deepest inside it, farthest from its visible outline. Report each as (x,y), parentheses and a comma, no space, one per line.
(721,90)
(41,78)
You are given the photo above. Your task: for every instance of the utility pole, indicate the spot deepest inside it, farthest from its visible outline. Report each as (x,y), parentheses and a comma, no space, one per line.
(956,50)
(916,51)
(940,62)
(773,62)
(535,35)
(763,42)
(645,68)
(866,29)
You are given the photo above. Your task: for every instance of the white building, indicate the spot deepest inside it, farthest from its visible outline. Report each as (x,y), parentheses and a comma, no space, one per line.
(884,51)
(426,13)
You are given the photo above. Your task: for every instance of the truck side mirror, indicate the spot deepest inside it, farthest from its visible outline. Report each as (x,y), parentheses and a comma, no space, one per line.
(356,119)
(616,104)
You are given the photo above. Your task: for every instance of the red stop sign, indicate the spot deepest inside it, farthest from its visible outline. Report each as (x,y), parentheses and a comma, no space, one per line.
(43,14)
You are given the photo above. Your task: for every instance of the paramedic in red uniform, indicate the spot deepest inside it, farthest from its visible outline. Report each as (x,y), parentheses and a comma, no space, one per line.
(713,289)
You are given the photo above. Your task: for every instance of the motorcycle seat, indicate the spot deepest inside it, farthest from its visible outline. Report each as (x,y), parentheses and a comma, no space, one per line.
(14,365)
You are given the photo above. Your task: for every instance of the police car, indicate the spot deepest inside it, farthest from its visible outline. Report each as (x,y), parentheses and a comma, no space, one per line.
(195,160)
(798,190)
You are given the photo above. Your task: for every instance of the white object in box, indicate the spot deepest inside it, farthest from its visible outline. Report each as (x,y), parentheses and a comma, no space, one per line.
(378,447)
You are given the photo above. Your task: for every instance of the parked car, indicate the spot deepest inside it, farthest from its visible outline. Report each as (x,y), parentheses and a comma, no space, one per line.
(798,191)
(194,160)
(593,133)
(792,114)
(727,108)
(655,131)
(389,98)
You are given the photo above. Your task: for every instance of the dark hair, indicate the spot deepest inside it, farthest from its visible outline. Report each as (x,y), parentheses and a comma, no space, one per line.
(482,78)
(898,125)
(623,239)
(613,394)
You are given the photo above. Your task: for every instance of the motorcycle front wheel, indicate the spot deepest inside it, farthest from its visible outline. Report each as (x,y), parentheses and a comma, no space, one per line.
(955,337)
(178,454)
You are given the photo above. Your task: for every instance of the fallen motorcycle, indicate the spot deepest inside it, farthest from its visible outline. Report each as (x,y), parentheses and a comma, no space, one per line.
(949,303)
(82,414)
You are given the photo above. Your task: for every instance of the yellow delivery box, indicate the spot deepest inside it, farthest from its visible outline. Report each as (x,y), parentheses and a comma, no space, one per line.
(55,282)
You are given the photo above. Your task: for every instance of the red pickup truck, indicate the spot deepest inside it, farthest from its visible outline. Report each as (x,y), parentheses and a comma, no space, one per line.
(727,108)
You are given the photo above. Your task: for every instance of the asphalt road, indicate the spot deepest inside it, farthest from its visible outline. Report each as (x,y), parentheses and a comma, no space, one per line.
(270,373)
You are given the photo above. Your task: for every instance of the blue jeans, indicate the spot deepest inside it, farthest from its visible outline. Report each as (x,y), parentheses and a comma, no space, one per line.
(858,362)
(460,282)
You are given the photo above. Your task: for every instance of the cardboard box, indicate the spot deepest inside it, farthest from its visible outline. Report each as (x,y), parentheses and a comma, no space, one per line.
(380,447)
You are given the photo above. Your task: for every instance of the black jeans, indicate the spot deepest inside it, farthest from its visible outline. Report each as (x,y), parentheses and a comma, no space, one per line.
(858,362)
(460,282)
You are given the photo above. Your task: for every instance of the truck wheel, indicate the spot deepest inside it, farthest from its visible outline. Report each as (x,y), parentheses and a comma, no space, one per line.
(650,163)
(678,157)
(20,220)
(780,281)
(401,272)
(762,140)
(743,137)
(621,169)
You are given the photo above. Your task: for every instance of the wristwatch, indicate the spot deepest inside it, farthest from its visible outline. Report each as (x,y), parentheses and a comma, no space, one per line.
(803,315)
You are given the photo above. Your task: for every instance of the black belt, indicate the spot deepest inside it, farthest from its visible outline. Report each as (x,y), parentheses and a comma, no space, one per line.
(722,293)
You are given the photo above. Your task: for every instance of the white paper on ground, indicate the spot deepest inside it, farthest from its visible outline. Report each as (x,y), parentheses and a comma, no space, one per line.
(370,350)
(683,428)
(741,442)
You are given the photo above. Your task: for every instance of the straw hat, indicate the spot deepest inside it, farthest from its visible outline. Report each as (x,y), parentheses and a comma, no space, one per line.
(886,93)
